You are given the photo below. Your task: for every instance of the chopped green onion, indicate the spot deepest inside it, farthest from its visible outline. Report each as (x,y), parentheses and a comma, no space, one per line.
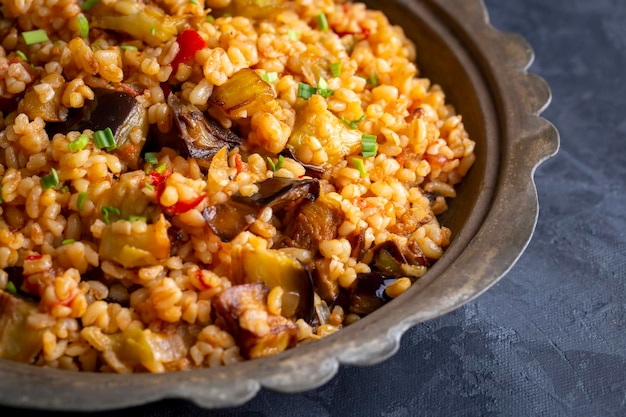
(227,15)
(79,143)
(209,19)
(10,288)
(194,2)
(80,201)
(128,47)
(293,34)
(353,124)
(322,88)
(305,91)
(151,158)
(149,187)
(369,146)
(137,218)
(269,77)
(373,79)
(106,210)
(65,189)
(278,165)
(50,180)
(88,4)
(322,22)
(35,36)
(152,30)
(83,26)
(21,55)
(161,168)
(104,139)
(335,69)
(360,165)
(67,241)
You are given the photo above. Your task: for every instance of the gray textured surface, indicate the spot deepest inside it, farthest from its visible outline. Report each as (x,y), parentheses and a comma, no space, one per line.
(550,338)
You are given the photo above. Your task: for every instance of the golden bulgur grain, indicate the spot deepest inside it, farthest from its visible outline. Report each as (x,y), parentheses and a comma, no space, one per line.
(159,239)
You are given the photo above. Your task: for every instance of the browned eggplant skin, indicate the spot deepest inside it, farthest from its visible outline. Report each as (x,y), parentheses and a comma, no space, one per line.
(18,342)
(198,135)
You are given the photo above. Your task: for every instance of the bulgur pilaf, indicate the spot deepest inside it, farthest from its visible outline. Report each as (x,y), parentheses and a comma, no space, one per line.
(193,183)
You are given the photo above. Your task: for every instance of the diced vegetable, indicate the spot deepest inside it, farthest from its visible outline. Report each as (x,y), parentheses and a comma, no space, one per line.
(305,91)
(276,268)
(369,147)
(35,36)
(274,335)
(104,139)
(314,222)
(245,92)
(202,137)
(138,249)
(353,124)
(50,111)
(335,69)
(18,342)
(275,166)
(50,180)
(341,142)
(88,4)
(80,201)
(322,22)
(149,26)
(83,26)
(368,292)
(79,143)
(189,42)
(360,165)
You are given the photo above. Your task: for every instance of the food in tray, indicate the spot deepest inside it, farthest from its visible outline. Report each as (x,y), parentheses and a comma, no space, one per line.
(195,183)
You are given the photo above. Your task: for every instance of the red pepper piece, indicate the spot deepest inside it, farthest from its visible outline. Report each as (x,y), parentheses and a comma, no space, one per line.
(189,42)
(184,206)
(238,163)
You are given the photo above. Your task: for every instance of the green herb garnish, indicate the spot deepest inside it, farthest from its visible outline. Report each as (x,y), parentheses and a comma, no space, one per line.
(369,147)
(80,201)
(104,139)
(151,158)
(10,288)
(79,143)
(107,210)
(335,69)
(88,5)
(322,22)
(360,165)
(278,165)
(305,91)
(50,180)
(353,124)
(83,26)
(35,36)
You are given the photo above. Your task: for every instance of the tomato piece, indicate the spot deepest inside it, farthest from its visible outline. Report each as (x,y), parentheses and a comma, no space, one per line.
(189,42)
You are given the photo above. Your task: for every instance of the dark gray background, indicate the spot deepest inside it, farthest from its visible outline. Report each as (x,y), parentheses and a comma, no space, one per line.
(550,338)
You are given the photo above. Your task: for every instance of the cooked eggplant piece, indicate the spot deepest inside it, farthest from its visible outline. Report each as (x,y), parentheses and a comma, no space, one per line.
(314,171)
(341,142)
(258,332)
(389,258)
(232,217)
(315,221)
(198,136)
(112,109)
(245,91)
(276,268)
(368,292)
(52,110)
(137,249)
(17,341)
(326,287)
(150,26)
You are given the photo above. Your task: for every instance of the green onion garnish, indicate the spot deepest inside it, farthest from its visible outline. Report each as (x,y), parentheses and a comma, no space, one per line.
(335,69)
(209,19)
(278,165)
(269,77)
(373,79)
(368,145)
(149,186)
(360,165)
(35,36)
(322,22)
(50,180)
(106,210)
(83,26)
(67,241)
(79,143)
(128,47)
(353,124)
(88,5)
(65,189)
(227,15)
(104,139)
(80,201)
(21,55)
(152,30)
(10,288)
(194,2)
(151,158)
(305,91)
(161,168)
(137,218)
(293,34)
(322,88)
